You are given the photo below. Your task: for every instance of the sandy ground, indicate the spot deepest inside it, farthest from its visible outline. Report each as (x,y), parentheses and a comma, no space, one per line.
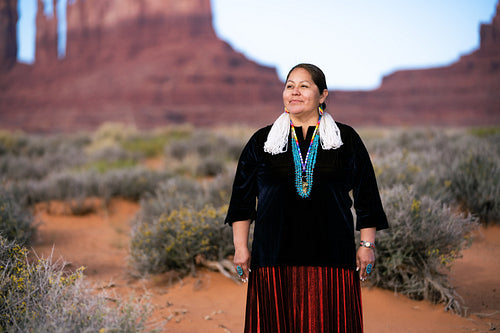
(210,302)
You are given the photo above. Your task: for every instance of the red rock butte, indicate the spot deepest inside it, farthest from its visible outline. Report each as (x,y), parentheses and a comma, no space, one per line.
(155,63)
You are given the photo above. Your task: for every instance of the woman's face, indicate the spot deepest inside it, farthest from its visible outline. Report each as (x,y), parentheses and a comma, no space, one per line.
(301,95)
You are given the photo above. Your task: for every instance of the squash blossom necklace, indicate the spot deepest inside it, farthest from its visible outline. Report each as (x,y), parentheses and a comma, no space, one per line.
(304,168)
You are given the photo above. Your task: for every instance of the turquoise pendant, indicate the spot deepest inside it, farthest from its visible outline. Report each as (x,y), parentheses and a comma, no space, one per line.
(304,175)
(304,187)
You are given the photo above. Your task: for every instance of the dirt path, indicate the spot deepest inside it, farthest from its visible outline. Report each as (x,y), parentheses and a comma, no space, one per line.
(210,302)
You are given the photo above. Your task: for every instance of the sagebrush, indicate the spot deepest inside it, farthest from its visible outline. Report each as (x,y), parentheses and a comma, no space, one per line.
(425,237)
(174,240)
(39,296)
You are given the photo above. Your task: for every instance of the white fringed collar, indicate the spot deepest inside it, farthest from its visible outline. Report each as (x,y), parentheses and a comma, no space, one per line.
(277,139)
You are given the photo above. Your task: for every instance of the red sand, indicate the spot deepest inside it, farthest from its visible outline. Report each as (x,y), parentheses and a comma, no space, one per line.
(210,302)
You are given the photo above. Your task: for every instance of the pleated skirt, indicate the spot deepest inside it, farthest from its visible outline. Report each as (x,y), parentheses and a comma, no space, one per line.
(302,299)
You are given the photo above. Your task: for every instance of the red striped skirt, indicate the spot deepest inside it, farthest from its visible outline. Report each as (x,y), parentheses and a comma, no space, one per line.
(303,299)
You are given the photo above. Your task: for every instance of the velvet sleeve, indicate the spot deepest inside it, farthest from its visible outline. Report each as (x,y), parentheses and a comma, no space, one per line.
(367,202)
(242,205)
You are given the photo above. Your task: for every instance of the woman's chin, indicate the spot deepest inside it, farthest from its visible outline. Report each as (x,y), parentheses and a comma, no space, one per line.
(299,111)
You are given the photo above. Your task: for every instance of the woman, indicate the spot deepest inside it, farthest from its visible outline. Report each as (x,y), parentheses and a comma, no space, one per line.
(304,269)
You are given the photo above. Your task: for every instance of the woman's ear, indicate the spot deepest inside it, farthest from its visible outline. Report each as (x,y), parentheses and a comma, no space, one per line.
(323,96)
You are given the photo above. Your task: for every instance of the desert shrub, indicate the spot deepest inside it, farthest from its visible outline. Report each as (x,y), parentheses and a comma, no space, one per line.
(178,192)
(413,140)
(149,145)
(39,296)
(19,144)
(217,146)
(171,195)
(13,143)
(204,154)
(423,240)
(427,172)
(103,166)
(178,149)
(485,131)
(220,188)
(112,157)
(448,166)
(21,167)
(210,167)
(110,134)
(411,158)
(475,183)
(206,144)
(398,167)
(16,222)
(173,241)
(62,186)
(130,183)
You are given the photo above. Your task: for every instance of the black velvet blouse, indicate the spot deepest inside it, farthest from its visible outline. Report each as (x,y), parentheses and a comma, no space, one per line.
(315,231)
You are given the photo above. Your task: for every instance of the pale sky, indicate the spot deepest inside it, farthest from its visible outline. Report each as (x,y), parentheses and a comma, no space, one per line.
(354,42)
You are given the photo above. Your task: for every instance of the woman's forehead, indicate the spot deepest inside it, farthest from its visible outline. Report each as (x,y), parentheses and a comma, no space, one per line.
(300,74)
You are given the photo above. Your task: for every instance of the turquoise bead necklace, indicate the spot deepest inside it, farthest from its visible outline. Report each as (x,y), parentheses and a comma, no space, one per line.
(304,168)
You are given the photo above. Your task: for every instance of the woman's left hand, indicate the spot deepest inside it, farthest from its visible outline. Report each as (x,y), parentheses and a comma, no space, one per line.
(364,257)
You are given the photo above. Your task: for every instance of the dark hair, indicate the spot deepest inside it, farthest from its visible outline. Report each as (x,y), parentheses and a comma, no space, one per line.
(317,76)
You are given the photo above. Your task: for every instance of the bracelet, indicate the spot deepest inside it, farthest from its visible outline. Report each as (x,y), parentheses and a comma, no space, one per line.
(370,245)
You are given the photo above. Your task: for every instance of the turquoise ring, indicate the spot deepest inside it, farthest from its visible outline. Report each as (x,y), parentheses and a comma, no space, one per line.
(239,270)
(369,268)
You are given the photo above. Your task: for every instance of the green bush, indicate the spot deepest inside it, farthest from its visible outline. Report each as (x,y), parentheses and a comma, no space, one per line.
(475,183)
(149,145)
(453,167)
(171,195)
(41,297)
(398,167)
(176,193)
(16,222)
(220,188)
(210,167)
(161,214)
(131,183)
(27,166)
(423,240)
(178,150)
(419,158)
(173,241)
(206,145)
(109,158)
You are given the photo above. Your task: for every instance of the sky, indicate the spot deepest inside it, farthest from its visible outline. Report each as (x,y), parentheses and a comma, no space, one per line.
(354,42)
(26,31)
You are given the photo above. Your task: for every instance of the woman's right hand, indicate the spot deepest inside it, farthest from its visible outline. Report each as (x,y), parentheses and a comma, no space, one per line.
(242,259)
(241,253)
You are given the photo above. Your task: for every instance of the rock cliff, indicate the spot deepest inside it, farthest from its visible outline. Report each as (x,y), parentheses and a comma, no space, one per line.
(147,63)
(465,93)
(151,63)
(8,36)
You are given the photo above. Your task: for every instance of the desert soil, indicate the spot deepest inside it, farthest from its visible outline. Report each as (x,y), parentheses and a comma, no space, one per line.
(210,302)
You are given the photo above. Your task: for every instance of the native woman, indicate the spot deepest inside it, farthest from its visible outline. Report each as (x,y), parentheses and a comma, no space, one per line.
(294,179)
